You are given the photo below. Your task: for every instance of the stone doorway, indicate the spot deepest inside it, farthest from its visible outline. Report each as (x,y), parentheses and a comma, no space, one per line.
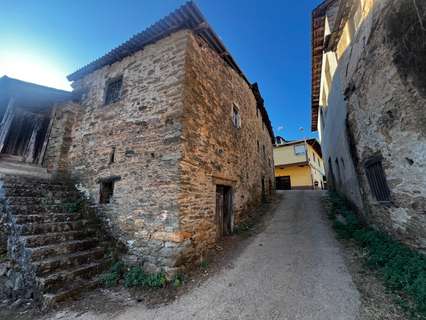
(224,211)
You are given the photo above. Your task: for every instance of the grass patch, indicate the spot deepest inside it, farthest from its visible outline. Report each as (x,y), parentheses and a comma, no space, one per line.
(401,269)
(137,277)
(204,264)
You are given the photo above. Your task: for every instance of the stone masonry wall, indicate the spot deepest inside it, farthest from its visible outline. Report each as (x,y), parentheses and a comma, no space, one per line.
(56,156)
(386,116)
(141,133)
(172,140)
(214,151)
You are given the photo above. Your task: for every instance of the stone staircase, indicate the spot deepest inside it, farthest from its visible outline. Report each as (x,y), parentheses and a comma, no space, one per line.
(55,242)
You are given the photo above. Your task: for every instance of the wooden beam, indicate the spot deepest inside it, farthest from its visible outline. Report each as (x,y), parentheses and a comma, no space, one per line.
(6,122)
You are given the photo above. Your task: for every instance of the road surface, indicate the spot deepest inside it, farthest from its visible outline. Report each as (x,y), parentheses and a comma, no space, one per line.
(292,270)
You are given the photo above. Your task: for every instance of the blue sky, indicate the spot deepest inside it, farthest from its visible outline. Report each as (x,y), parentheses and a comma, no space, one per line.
(43,41)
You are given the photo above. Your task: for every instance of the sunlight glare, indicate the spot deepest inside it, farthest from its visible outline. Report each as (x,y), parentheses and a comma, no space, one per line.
(33,68)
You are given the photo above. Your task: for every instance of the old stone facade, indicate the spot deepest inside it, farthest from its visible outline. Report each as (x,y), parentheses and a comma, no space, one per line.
(372,93)
(187,122)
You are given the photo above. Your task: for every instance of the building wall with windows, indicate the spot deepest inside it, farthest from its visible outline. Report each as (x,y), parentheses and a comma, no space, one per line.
(154,135)
(371,111)
(225,142)
(301,162)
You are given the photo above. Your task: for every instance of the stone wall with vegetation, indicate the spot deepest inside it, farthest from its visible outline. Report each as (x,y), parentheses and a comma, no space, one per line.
(214,151)
(385,88)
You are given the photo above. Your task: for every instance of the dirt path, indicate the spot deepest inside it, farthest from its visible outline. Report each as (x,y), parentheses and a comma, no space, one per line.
(293,270)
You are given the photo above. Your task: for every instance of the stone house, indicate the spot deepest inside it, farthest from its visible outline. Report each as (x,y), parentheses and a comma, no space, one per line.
(298,165)
(169,140)
(368,98)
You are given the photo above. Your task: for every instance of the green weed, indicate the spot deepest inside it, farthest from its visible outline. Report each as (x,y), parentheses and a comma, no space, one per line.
(136,277)
(177,281)
(204,264)
(402,269)
(113,276)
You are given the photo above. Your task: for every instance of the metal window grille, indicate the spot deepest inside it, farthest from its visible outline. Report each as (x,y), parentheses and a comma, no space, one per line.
(377,179)
(113,91)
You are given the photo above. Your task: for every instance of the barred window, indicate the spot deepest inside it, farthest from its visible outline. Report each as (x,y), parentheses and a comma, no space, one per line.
(113,90)
(377,179)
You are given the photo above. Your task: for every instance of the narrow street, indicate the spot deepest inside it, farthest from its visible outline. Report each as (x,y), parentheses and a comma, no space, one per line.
(293,270)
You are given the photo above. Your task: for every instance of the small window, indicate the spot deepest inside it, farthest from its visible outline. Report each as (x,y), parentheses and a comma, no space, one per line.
(112,156)
(236,119)
(257,112)
(377,179)
(106,191)
(113,90)
(258,146)
(299,149)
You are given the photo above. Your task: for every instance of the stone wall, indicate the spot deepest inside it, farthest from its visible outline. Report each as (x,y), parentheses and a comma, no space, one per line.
(56,156)
(135,140)
(171,140)
(386,117)
(214,151)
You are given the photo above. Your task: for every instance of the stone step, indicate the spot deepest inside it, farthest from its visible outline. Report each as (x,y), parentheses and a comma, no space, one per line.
(71,291)
(62,248)
(46,218)
(68,261)
(60,193)
(41,201)
(56,237)
(19,209)
(56,281)
(53,227)
(23,181)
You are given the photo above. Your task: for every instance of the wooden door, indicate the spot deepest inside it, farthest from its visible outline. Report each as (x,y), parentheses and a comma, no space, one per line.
(219,211)
(224,211)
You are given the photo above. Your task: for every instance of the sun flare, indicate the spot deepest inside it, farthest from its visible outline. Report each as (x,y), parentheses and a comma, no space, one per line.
(33,68)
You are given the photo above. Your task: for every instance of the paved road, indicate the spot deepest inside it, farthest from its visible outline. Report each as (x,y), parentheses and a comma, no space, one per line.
(293,270)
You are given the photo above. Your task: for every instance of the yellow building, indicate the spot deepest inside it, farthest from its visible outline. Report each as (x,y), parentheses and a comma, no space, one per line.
(298,165)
